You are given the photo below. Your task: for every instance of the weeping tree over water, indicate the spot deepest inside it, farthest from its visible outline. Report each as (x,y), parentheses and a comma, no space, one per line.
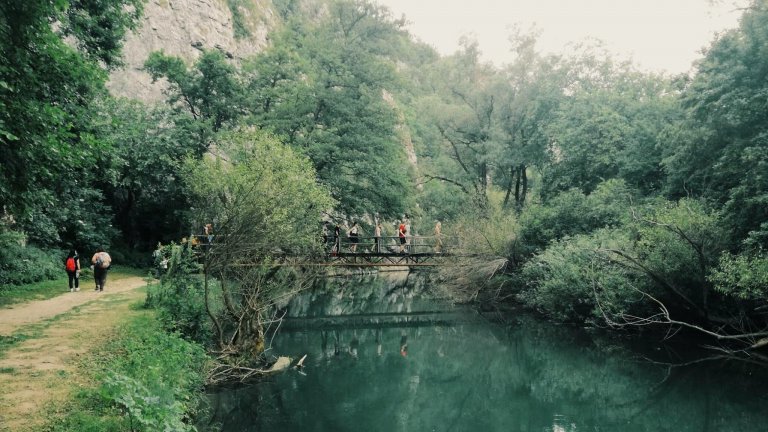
(264,202)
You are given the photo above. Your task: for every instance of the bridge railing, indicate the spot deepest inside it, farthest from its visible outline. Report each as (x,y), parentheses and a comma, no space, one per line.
(368,244)
(391,244)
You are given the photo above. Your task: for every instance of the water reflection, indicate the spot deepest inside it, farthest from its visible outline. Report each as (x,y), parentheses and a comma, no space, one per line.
(398,362)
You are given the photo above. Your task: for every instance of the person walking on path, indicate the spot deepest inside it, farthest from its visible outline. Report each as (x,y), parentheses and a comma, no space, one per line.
(101,262)
(72,266)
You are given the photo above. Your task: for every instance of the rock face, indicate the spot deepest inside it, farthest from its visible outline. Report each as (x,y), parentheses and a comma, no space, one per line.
(183,28)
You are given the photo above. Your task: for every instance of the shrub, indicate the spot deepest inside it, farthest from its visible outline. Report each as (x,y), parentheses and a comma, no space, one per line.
(678,242)
(575,280)
(180,297)
(156,377)
(571,213)
(22,264)
(743,276)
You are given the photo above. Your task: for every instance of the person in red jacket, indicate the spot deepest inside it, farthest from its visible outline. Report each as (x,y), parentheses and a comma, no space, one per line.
(72,266)
(401,232)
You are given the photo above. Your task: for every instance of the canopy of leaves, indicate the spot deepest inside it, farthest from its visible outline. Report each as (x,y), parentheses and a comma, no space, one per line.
(721,147)
(258,193)
(322,85)
(47,143)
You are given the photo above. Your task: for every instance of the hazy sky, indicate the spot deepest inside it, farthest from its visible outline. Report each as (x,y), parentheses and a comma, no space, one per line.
(660,35)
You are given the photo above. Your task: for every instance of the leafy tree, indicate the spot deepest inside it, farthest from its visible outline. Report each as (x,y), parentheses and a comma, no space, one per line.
(608,127)
(264,201)
(143,172)
(46,85)
(464,110)
(209,92)
(535,90)
(322,86)
(720,149)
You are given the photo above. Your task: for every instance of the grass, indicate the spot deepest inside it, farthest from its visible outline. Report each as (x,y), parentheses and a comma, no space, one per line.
(10,295)
(138,363)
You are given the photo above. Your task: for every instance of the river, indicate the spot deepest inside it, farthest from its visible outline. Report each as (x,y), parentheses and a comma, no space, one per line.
(384,355)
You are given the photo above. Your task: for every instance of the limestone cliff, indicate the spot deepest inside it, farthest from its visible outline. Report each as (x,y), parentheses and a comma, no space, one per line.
(183,28)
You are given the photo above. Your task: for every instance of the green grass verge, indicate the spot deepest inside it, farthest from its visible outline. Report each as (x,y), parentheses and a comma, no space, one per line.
(47,289)
(143,380)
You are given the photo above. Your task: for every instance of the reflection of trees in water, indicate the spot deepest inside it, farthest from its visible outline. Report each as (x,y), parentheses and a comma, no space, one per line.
(526,375)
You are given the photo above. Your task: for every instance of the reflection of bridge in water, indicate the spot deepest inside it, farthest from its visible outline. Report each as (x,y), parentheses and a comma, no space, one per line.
(384,320)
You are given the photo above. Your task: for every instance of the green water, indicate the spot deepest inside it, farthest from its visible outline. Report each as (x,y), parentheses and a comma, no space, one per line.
(377,362)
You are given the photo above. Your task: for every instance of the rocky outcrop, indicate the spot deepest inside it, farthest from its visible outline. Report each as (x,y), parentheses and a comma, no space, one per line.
(184,28)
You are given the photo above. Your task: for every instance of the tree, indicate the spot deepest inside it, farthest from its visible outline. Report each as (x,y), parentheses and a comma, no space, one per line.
(608,126)
(47,143)
(209,92)
(720,150)
(142,172)
(264,202)
(464,111)
(535,90)
(321,85)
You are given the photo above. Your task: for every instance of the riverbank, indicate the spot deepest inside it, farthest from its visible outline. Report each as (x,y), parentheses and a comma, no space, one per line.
(87,360)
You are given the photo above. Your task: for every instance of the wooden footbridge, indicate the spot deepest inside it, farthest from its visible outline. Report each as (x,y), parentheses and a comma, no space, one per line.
(417,251)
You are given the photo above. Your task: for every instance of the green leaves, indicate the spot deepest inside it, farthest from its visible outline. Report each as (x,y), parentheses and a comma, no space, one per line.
(321,85)
(743,276)
(155,378)
(260,190)
(46,124)
(720,146)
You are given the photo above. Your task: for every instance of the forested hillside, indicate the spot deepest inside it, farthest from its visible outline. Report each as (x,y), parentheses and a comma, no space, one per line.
(603,193)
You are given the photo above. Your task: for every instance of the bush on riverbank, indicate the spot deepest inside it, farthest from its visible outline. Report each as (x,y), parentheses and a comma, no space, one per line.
(149,381)
(658,252)
(179,298)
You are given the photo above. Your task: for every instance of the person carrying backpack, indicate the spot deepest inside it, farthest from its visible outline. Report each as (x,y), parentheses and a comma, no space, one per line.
(72,266)
(101,262)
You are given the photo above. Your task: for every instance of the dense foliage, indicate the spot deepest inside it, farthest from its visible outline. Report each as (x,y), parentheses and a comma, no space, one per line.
(610,193)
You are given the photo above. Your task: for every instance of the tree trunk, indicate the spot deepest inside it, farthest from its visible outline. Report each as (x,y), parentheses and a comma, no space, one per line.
(524,192)
(509,186)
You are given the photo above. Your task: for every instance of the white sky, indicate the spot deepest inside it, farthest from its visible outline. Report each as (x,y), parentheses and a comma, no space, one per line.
(659,35)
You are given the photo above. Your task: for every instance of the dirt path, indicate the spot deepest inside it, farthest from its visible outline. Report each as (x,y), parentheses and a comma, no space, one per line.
(39,373)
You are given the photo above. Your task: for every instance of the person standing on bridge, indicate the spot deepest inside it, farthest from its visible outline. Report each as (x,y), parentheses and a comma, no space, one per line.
(408,235)
(326,236)
(438,237)
(336,240)
(354,237)
(377,238)
(401,232)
